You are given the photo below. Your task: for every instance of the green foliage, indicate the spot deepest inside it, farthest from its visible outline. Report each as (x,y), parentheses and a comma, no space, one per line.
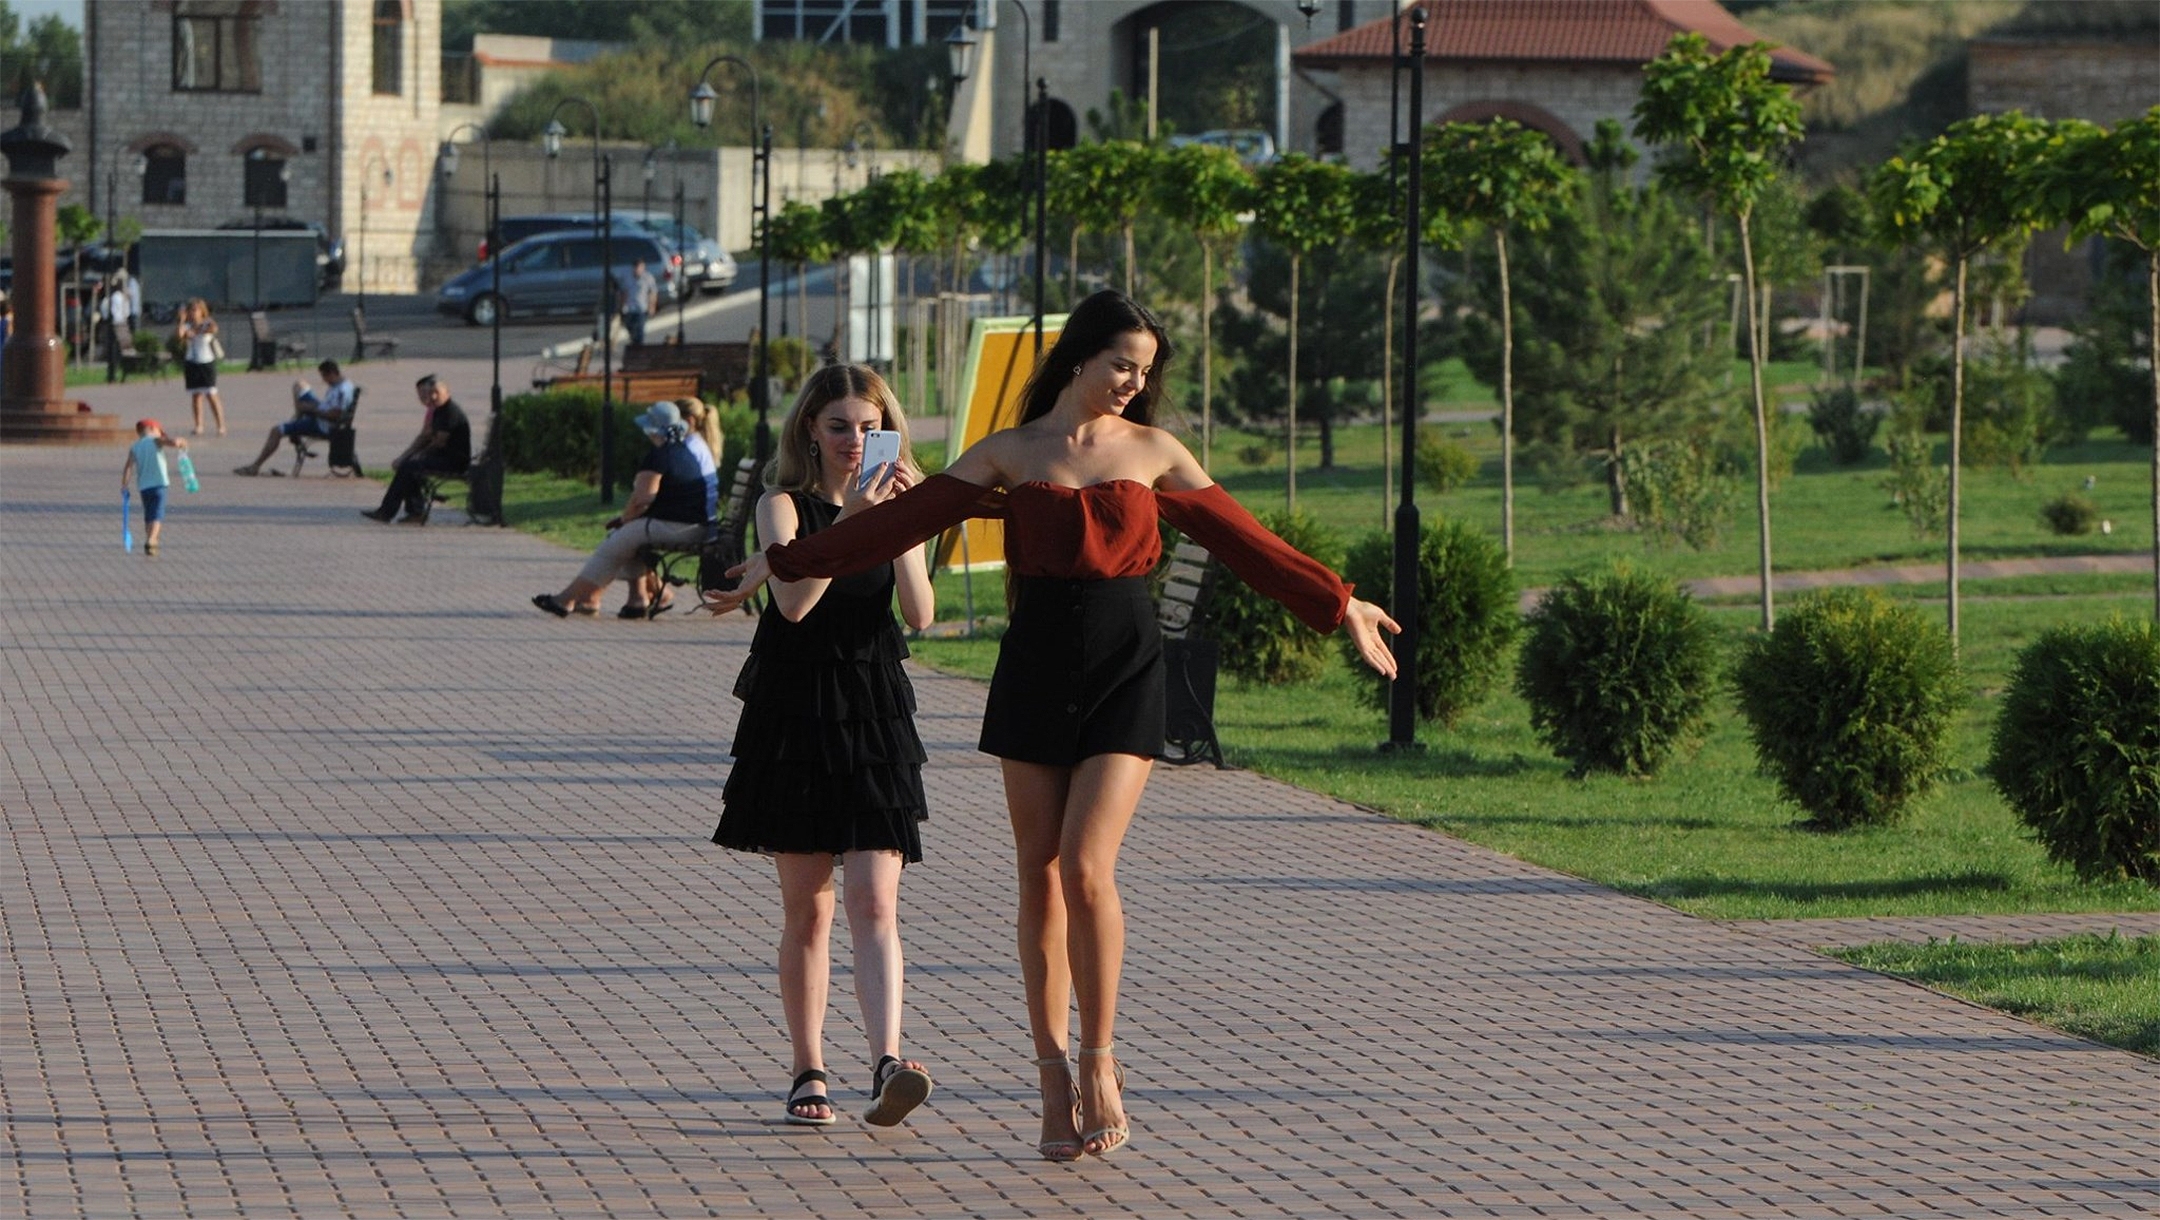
(1467,618)
(1496,173)
(1442,464)
(1617,668)
(1730,119)
(1203,188)
(75,224)
(1303,205)
(558,432)
(798,235)
(2101,182)
(2103,378)
(1263,641)
(2009,407)
(48,51)
(793,360)
(2076,750)
(1849,703)
(1679,490)
(1918,485)
(1845,428)
(1966,189)
(2071,513)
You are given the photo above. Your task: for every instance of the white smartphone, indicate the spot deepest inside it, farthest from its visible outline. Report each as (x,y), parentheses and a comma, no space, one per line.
(880,448)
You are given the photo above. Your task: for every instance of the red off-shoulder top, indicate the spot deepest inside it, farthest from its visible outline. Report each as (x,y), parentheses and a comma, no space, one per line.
(1098,532)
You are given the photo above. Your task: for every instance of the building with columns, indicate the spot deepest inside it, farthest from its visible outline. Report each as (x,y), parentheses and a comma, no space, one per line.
(1557,66)
(322,110)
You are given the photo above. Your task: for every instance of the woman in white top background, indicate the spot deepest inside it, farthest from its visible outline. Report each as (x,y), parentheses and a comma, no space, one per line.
(198,332)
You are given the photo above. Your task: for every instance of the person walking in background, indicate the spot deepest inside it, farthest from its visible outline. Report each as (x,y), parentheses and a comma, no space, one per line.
(827,760)
(444,446)
(201,351)
(119,317)
(637,294)
(144,472)
(671,504)
(1076,707)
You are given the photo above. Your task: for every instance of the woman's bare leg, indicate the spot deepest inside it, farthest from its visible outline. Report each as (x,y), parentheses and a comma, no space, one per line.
(1099,805)
(873,914)
(1035,801)
(806,899)
(217,410)
(195,401)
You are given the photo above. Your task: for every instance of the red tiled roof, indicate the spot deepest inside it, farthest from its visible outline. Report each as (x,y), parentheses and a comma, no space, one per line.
(1578,31)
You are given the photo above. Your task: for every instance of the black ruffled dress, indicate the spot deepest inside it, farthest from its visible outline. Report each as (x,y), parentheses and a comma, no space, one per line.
(826,754)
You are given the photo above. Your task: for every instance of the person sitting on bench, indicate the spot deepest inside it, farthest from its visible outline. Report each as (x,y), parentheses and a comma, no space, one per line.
(444,446)
(314,415)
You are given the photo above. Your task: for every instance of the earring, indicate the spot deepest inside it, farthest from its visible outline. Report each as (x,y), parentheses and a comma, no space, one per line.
(813,449)
(1078,369)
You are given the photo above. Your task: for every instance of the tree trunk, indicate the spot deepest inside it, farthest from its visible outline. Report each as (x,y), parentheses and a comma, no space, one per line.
(1507,401)
(1072,268)
(1387,394)
(1290,429)
(1207,356)
(1615,481)
(1127,233)
(2152,292)
(1327,438)
(1762,423)
(1957,432)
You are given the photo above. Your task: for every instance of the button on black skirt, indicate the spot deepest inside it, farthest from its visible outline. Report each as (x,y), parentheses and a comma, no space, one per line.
(1080,673)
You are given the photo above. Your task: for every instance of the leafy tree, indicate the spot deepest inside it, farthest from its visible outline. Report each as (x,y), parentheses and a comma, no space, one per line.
(1732,122)
(1205,189)
(76,225)
(798,237)
(2106,183)
(1301,205)
(1108,184)
(1963,192)
(1502,175)
(49,50)
(1613,300)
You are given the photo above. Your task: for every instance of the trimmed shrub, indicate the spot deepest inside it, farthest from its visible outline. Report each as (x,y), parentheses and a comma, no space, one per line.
(1442,464)
(2076,750)
(1845,428)
(1263,641)
(1849,703)
(1467,619)
(2071,513)
(558,432)
(1617,668)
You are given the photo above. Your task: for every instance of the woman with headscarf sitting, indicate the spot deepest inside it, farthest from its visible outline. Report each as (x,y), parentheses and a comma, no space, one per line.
(673,500)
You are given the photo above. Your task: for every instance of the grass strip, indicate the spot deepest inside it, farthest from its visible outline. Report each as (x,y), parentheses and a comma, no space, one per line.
(2106,988)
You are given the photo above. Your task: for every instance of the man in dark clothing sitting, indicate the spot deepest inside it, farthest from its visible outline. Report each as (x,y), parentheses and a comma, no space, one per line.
(444,446)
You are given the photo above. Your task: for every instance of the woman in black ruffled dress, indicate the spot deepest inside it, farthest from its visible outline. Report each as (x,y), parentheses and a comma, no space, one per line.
(827,761)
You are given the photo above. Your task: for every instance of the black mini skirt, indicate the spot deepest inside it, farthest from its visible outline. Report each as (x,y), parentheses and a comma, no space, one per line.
(1080,673)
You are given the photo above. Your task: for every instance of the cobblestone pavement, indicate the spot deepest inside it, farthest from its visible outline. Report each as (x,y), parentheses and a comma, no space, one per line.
(340,882)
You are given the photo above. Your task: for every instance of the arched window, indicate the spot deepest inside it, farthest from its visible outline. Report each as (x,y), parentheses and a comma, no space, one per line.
(1327,131)
(1064,129)
(389,46)
(164,179)
(266,176)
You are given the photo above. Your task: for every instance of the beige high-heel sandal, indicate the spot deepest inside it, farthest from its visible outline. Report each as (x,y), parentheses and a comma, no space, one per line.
(1112,1138)
(1062,1150)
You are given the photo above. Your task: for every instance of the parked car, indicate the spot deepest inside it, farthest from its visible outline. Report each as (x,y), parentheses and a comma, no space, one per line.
(556,273)
(704,265)
(709,268)
(329,251)
(1252,146)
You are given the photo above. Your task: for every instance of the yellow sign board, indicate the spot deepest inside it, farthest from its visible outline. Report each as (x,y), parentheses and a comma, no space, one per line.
(1000,355)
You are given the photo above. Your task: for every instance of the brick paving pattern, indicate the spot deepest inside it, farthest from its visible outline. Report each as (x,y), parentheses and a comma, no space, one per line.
(340,882)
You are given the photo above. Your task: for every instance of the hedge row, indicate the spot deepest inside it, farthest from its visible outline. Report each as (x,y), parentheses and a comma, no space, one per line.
(557,432)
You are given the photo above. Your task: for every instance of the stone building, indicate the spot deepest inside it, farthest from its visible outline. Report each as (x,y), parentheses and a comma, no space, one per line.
(1557,66)
(322,110)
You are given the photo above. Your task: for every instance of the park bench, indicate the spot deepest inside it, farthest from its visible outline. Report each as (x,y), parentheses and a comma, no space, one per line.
(271,351)
(633,387)
(721,548)
(722,368)
(1189,659)
(156,361)
(344,457)
(364,341)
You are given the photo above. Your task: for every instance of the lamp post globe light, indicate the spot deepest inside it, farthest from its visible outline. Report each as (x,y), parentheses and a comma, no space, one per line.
(551,139)
(702,100)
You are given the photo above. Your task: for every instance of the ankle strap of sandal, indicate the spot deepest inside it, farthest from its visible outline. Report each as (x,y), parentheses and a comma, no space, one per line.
(1051,1061)
(1090,1051)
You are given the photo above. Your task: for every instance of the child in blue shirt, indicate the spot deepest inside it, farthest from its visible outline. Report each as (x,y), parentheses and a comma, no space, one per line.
(145,473)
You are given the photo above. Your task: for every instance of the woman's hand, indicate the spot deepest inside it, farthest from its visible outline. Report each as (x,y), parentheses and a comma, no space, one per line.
(890,481)
(1365,621)
(752,573)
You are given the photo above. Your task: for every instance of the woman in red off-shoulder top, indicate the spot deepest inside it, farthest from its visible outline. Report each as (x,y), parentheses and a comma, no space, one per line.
(1076,706)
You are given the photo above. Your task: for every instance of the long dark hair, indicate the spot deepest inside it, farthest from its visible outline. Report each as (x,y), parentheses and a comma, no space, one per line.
(1091,327)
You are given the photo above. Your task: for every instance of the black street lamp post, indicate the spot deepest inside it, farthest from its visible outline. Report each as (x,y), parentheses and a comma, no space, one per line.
(960,45)
(702,98)
(1402,694)
(603,227)
(448,159)
(118,254)
(388,177)
(682,299)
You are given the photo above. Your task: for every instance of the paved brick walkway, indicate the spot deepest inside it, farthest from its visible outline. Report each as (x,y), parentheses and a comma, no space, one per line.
(340,882)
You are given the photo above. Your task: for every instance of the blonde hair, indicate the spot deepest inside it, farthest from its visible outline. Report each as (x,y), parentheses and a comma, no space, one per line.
(704,421)
(795,466)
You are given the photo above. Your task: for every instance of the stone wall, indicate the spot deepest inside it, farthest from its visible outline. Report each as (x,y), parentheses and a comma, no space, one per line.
(1568,98)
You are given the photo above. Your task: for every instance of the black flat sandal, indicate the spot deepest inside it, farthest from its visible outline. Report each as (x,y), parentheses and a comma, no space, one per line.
(896,1090)
(797,1098)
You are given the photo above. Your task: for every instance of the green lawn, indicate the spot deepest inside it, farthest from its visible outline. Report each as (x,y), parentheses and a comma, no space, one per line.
(2103,988)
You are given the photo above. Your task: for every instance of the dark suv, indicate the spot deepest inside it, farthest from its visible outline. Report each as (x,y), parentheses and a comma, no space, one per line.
(555,273)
